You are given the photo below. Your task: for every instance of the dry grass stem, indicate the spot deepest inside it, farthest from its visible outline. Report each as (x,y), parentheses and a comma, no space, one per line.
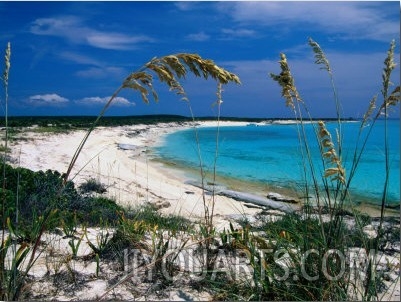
(320,56)
(286,81)
(169,70)
(330,155)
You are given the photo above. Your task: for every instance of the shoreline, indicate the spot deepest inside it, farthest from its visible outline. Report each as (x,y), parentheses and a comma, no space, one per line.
(121,158)
(262,189)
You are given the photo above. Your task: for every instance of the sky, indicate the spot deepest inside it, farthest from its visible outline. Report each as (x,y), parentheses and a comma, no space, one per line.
(68,58)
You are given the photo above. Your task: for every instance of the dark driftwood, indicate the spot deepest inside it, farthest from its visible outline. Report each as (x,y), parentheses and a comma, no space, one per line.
(127,147)
(246,197)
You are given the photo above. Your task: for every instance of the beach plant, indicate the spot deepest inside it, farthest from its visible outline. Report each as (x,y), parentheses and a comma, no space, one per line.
(75,242)
(135,229)
(69,225)
(330,187)
(171,222)
(133,226)
(92,185)
(102,240)
(3,250)
(98,210)
(164,256)
(169,70)
(129,233)
(19,257)
(19,246)
(209,208)
(101,246)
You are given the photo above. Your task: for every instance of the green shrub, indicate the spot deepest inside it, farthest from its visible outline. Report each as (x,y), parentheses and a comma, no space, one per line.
(36,193)
(134,225)
(96,209)
(153,218)
(92,185)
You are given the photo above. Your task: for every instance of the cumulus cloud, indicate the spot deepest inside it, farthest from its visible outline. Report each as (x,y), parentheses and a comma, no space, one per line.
(73,29)
(47,100)
(96,100)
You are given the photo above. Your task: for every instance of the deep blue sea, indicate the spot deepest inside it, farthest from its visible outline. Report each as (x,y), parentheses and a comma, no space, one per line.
(270,154)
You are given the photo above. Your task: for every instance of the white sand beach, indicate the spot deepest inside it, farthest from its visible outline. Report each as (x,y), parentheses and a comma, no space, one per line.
(129,173)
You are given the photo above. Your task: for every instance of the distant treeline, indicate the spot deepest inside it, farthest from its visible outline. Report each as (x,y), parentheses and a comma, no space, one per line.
(86,121)
(70,122)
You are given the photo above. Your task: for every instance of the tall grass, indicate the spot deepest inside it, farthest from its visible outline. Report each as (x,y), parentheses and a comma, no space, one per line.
(16,258)
(169,70)
(3,250)
(303,255)
(5,84)
(333,195)
(207,229)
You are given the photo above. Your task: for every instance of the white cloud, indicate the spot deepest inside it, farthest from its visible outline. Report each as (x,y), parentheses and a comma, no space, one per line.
(356,20)
(67,27)
(73,29)
(80,59)
(114,40)
(96,69)
(238,32)
(199,37)
(118,101)
(186,5)
(53,26)
(357,79)
(102,72)
(47,100)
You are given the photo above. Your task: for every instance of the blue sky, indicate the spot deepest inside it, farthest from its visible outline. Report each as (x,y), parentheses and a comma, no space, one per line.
(69,57)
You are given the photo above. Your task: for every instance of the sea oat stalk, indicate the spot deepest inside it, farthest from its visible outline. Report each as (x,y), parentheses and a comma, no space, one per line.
(7,63)
(294,101)
(322,60)
(169,70)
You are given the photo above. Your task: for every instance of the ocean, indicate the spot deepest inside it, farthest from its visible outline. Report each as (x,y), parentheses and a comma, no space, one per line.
(268,156)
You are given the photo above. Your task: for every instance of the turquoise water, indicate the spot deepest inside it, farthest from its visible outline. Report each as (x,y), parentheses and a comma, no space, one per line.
(270,154)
